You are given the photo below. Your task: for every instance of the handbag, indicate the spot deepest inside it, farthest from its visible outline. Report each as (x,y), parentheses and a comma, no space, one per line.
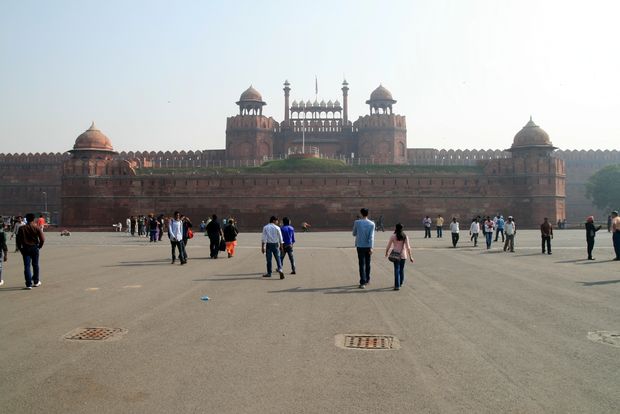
(222,245)
(394,256)
(190,234)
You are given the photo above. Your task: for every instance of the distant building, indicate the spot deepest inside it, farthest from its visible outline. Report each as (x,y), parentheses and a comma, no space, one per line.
(322,127)
(92,185)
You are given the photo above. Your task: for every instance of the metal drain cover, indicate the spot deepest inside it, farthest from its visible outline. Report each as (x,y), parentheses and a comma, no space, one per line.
(366,341)
(605,337)
(95,334)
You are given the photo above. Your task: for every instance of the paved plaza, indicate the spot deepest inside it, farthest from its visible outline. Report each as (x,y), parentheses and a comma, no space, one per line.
(478,331)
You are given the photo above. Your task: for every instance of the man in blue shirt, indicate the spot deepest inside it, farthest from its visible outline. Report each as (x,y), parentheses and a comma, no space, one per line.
(288,238)
(499,228)
(364,232)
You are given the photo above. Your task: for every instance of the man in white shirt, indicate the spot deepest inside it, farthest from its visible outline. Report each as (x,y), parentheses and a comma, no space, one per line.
(510,229)
(272,244)
(175,233)
(474,231)
(454,229)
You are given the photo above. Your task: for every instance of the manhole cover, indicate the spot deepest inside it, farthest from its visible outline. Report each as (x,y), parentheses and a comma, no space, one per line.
(605,337)
(95,334)
(365,341)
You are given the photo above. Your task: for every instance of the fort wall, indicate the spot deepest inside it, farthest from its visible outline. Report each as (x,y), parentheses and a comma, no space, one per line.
(25,177)
(328,201)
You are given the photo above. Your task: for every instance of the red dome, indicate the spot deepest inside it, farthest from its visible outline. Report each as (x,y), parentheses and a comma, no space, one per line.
(531,135)
(93,139)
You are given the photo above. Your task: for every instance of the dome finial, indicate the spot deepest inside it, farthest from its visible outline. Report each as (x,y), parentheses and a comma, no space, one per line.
(92,126)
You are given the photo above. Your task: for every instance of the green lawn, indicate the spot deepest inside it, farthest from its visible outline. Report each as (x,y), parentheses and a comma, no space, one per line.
(316,166)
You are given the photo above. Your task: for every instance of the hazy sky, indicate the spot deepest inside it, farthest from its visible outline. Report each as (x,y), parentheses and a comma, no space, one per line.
(163,75)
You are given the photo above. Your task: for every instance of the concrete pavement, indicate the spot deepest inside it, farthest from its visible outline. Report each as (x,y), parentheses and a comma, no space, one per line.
(480,331)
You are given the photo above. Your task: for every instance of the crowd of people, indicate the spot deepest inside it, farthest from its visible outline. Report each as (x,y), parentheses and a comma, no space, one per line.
(278,238)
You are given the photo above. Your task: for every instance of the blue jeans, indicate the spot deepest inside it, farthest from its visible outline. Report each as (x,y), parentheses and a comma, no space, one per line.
(399,273)
(489,237)
(616,241)
(288,250)
(439,231)
(273,249)
(30,254)
(153,234)
(363,257)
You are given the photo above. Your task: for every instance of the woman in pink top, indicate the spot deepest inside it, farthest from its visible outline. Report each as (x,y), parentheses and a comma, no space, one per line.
(399,242)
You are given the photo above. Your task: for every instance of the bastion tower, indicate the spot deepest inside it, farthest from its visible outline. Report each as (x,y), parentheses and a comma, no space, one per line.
(249,135)
(89,179)
(382,135)
(535,178)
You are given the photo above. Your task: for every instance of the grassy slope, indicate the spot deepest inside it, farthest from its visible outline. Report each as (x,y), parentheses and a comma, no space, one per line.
(316,166)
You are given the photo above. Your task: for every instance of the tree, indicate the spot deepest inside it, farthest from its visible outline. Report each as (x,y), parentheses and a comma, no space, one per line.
(603,188)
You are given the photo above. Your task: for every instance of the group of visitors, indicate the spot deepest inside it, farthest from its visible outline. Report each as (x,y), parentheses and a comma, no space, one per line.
(488,227)
(398,249)
(276,243)
(145,226)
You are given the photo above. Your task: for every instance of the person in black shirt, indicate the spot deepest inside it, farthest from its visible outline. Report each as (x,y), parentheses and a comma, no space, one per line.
(590,234)
(230,237)
(214,232)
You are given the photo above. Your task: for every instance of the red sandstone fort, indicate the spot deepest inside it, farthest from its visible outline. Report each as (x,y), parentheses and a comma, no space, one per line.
(93,186)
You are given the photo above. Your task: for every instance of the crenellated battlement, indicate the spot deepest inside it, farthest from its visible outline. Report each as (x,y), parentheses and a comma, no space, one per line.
(377,120)
(36,158)
(251,122)
(589,155)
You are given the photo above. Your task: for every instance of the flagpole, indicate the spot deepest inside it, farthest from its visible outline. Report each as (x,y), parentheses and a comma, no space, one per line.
(303,135)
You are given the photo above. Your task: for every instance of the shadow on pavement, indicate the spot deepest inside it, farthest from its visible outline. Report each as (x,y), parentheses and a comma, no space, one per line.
(156,262)
(334,290)
(600,282)
(233,277)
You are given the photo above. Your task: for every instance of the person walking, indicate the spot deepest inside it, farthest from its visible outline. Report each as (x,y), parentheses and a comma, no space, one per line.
(609,224)
(288,238)
(427,222)
(546,233)
(160,220)
(4,251)
(380,225)
(511,230)
(30,241)
(230,237)
(41,222)
(399,242)
(474,231)
(271,245)
(153,226)
(439,226)
(133,224)
(214,231)
(488,231)
(19,221)
(364,233)
(499,227)
(454,230)
(175,233)
(615,235)
(591,230)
